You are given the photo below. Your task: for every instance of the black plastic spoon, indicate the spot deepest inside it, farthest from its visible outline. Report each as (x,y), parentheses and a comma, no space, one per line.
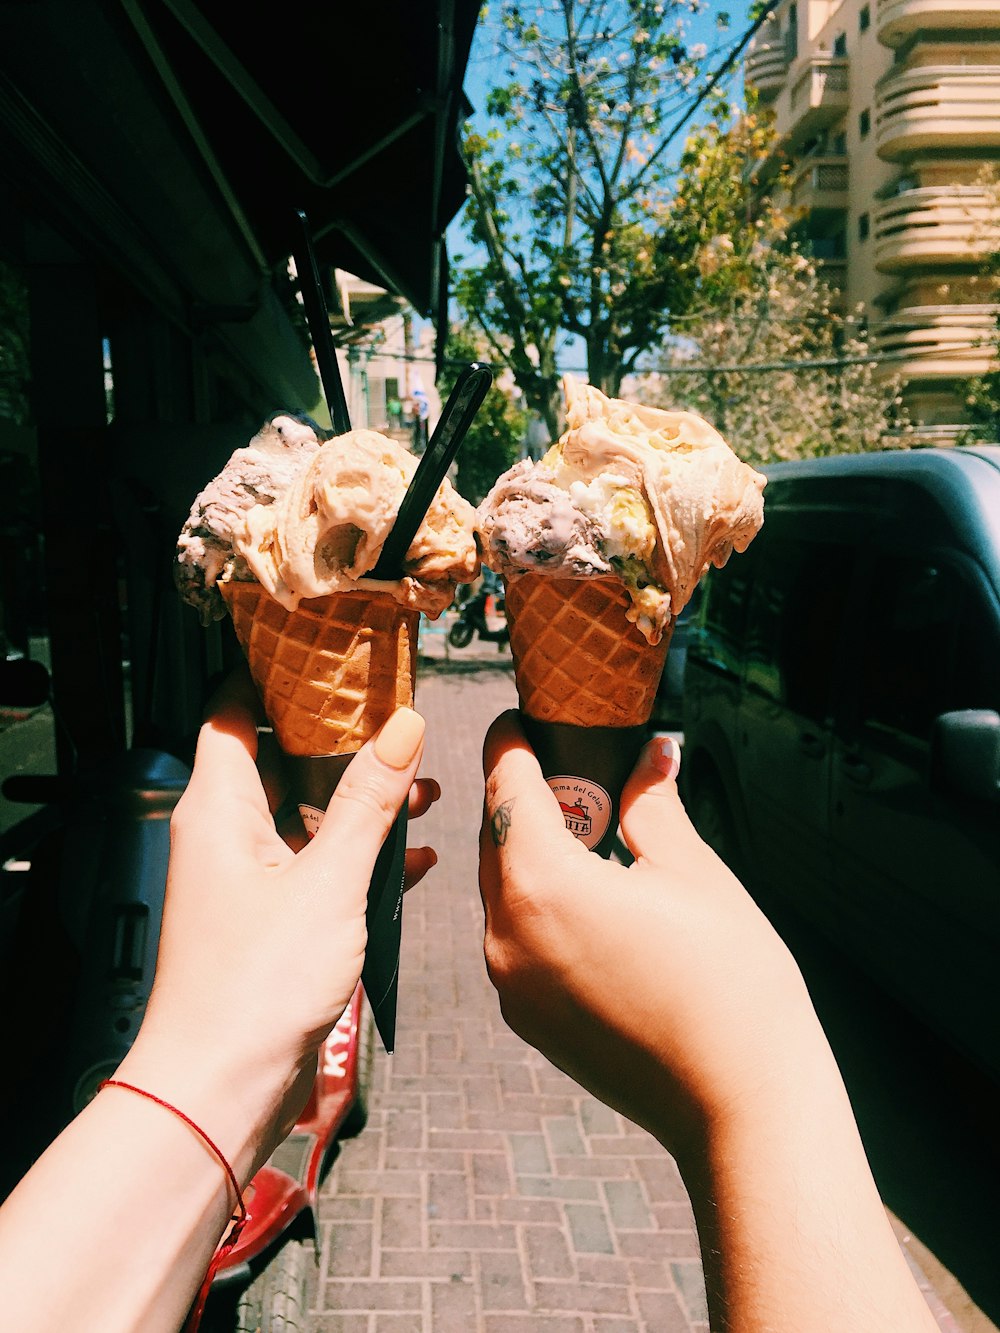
(465,401)
(318,319)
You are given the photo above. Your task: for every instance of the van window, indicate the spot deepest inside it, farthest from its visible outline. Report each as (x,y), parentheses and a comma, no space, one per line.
(922,656)
(796,614)
(717,637)
(976,675)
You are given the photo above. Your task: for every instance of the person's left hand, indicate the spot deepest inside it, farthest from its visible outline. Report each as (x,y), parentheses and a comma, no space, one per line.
(261,947)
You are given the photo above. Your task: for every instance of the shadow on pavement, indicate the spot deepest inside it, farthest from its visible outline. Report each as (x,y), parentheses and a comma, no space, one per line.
(927,1116)
(440,666)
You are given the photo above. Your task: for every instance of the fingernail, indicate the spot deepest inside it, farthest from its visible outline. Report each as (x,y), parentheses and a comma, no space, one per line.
(400,737)
(665,755)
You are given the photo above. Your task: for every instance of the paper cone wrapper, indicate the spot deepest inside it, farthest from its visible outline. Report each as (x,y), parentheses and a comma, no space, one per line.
(329,674)
(586,681)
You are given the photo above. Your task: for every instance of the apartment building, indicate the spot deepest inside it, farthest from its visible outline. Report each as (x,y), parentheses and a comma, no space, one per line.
(888,111)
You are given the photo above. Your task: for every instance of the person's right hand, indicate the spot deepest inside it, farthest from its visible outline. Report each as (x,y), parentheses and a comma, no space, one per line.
(663,990)
(659,987)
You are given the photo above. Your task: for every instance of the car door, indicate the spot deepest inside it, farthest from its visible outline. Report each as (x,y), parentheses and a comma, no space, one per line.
(794,647)
(917,864)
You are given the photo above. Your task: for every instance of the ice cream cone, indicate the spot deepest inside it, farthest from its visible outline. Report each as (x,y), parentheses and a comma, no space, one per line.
(330,672)
(586,680)
(577,659)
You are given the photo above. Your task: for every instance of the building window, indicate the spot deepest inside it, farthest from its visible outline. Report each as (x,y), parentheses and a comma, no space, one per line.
(840,44)
(864,227)
(864,123)
(865,18)
(839,144)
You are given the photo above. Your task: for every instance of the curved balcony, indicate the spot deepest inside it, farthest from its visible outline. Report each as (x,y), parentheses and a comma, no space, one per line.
(938,107)
(767,62)
(818,96)
(935,225)
(898,20)
(939,342)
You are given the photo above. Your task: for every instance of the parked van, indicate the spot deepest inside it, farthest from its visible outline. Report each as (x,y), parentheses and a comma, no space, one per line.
(842,720)
(668,704)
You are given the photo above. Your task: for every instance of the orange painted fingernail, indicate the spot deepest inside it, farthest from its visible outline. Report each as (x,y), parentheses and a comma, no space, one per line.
(400,737)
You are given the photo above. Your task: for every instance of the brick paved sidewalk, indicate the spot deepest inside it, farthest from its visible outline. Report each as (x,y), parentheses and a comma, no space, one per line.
(488,1194)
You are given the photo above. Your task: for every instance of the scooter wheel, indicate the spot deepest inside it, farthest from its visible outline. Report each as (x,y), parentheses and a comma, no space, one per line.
(460,634)
(275,1301)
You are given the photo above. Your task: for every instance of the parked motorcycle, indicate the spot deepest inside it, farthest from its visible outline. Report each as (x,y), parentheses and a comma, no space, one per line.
(82,885)
(472,622)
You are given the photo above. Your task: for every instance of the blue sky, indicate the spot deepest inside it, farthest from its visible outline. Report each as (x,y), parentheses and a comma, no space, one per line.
(701,27)
(480,72)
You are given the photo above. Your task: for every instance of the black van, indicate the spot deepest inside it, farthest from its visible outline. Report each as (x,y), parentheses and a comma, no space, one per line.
(842,720)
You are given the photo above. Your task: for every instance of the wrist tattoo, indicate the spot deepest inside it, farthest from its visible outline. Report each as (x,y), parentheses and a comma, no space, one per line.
(500,823)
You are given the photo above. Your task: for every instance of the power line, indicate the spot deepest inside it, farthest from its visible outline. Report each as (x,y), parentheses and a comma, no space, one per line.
(832,363)
(736,368)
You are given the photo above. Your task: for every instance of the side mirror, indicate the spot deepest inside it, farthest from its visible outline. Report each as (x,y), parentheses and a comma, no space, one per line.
(967,751)
(23,683)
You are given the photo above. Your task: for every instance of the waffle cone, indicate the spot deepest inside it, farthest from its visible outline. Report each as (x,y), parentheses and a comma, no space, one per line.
(577,659)
(330,672)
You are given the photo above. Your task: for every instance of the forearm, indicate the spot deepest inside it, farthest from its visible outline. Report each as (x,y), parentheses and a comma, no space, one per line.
(793,1231)
(115,1226)
(716,1048)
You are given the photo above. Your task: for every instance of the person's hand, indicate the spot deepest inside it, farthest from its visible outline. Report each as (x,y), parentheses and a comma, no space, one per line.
(261,947)
(659,987)
(271,764)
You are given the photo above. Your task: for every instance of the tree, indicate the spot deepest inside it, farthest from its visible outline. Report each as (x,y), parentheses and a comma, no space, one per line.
(756,299)
(493,442)
(983,403)
(567,186)
(982,396)
(781,374)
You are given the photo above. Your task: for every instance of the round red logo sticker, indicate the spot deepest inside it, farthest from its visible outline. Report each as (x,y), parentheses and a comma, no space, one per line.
(586,807)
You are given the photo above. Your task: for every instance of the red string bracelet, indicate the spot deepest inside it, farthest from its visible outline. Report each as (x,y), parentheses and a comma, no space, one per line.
(239,1218)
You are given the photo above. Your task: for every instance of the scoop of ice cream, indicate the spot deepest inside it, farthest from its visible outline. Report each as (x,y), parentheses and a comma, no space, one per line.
(254,476)
(651,496)
(326,532)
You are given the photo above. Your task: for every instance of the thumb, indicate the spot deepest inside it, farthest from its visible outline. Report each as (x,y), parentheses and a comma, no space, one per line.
(371,793)
(225,777)
(652,816)
(522,820)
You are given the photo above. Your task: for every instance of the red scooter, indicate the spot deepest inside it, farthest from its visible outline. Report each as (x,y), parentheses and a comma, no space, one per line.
(82,885)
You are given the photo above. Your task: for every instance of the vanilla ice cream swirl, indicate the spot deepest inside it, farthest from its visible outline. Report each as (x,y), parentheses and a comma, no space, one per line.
(651,496)
(307,515)
(325,532)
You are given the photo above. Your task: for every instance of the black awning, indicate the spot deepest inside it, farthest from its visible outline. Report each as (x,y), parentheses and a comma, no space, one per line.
(348,111)
(177,137)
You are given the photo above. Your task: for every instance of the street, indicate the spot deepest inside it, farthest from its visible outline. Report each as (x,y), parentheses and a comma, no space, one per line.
(928,1120)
